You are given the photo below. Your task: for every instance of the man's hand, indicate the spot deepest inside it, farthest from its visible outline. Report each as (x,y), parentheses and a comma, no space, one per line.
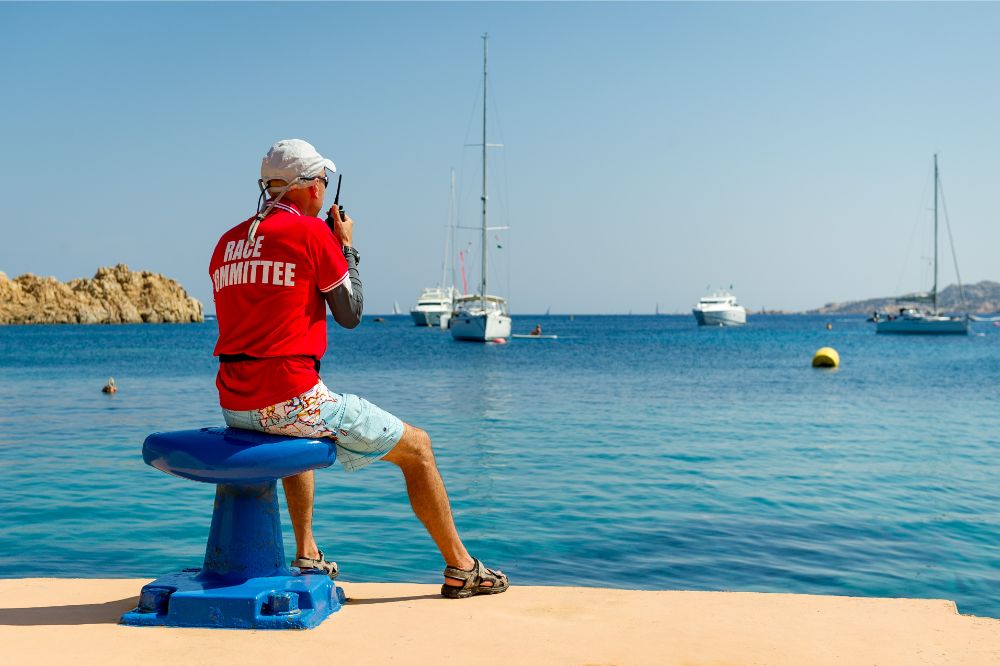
(343,227)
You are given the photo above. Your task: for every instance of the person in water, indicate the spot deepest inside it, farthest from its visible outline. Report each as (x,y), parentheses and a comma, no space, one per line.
(273,277)
(110,386)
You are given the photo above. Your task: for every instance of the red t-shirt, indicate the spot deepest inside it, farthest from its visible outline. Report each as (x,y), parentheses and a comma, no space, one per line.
(269,304)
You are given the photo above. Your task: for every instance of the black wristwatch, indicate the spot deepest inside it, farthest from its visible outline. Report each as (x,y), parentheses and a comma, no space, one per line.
(350,251)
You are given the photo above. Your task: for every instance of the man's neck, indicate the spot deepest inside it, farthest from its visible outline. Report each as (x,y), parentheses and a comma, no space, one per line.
(302,201)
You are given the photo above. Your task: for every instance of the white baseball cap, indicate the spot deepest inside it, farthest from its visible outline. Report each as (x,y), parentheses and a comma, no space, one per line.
(291,159)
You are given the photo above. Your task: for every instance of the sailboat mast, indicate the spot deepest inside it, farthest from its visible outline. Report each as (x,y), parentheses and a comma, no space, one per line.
(482,287)
(934,291)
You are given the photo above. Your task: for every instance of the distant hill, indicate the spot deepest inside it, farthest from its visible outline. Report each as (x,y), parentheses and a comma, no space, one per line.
(980,298)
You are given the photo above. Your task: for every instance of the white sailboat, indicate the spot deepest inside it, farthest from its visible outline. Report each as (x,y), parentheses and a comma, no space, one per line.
(435,304)
(481,317)
(914,320)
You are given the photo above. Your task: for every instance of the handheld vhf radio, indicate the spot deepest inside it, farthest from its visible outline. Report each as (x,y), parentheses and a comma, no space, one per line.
(330,222)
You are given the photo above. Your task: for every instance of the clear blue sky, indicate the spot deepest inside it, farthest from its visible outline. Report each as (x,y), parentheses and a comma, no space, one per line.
(650,149)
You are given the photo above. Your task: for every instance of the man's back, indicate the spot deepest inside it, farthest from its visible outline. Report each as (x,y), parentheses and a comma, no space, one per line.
(269,305)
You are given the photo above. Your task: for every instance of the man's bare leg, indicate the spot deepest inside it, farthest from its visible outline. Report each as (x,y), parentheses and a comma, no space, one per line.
(299,492)
(428,497)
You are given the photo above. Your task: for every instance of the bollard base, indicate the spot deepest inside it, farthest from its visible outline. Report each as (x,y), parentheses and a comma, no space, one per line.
(299,601)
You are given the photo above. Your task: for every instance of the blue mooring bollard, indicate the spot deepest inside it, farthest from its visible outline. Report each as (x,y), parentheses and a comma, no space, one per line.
(244,582)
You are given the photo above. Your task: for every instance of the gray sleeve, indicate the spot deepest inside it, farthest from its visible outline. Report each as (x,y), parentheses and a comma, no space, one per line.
(347,299)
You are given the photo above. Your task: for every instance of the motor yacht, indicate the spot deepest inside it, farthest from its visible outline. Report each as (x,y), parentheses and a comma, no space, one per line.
(434,302)
(719,309)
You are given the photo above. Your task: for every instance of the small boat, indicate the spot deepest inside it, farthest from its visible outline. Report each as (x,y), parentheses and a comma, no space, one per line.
(914,320)
(719,309)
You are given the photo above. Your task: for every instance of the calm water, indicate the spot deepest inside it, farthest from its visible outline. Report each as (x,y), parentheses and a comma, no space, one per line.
(635,452)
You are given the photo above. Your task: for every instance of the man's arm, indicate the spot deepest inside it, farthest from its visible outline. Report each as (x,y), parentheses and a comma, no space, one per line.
(347,300)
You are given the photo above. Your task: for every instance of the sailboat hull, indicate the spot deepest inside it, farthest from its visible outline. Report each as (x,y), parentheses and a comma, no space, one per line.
(479,327)
(924,326)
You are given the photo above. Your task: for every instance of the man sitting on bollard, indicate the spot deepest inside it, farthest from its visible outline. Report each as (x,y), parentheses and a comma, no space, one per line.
(273,276)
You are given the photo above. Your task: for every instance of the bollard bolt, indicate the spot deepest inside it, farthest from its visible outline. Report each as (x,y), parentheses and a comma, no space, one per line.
(282,603)
(154,600)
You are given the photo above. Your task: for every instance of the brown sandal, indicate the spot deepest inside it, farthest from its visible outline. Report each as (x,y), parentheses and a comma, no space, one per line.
(474,579)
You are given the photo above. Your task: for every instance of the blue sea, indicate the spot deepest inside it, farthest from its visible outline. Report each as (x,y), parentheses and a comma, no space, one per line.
(635,452)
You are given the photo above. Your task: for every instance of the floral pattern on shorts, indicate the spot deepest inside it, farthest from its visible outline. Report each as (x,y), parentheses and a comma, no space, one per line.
(363,432)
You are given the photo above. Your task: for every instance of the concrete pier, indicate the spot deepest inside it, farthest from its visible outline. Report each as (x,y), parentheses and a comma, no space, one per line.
(45,620)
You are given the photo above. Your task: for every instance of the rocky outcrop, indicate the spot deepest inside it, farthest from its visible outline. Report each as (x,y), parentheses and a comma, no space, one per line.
(979,298)
(113,296)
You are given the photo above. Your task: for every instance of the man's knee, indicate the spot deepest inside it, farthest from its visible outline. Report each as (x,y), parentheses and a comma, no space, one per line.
(413,447)
(418,441)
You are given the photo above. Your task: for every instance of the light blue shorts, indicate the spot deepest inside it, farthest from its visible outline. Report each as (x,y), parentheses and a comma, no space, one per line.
(363,432)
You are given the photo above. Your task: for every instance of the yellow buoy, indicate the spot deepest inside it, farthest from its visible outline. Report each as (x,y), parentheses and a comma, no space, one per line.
(827,357)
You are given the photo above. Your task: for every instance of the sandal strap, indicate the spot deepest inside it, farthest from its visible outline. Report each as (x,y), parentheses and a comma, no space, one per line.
(495,576)
(469,576)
